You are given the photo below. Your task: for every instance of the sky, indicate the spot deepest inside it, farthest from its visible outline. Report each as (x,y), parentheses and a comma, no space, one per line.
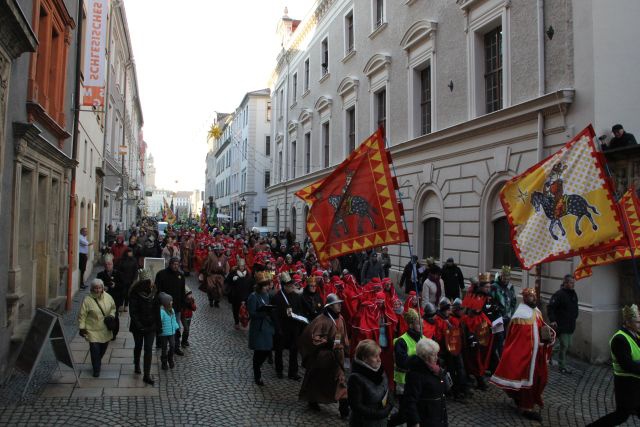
(193,58)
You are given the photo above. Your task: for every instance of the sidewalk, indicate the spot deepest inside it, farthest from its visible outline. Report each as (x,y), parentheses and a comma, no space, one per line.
(116,377)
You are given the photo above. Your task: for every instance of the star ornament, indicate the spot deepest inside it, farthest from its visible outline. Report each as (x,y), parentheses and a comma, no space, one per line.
(523,196)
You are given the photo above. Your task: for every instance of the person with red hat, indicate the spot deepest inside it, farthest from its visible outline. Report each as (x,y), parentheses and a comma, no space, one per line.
(523,369)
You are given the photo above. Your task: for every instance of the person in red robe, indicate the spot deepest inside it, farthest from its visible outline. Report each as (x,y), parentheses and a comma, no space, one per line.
(478,325)
(429,321)
(523,369)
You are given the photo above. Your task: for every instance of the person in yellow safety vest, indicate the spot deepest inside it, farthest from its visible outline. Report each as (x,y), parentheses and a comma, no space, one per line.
(403,348)
(625,356)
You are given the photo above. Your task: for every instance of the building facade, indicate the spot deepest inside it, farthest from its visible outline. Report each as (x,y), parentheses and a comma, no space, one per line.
(238,163)
(36,154)
(470,93)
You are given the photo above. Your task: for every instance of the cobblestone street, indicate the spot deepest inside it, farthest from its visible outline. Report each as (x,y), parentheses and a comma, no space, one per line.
(213,385)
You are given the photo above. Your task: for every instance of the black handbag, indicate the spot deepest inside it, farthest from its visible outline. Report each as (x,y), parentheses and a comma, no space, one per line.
(110,321)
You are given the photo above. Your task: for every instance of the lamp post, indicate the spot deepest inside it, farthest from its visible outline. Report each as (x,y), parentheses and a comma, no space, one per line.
(243,205)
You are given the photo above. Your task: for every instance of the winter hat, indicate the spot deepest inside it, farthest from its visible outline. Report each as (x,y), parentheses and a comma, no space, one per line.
(165,298)
(411,316)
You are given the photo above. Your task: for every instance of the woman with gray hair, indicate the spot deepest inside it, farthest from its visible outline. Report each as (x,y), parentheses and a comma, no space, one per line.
(425,388)
(96,307)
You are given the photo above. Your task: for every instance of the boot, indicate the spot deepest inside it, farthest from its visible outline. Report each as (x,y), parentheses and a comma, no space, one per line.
(147,368)
(148,380)
(171,363)
(164,363)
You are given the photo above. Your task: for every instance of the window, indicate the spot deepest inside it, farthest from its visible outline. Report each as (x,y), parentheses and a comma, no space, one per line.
(86,152)
(381,109)
(306,75)
(425,100)
(325,57)
(503,253)
(378,13)
(348,33)
(245,149)
(307,152)
(294,218)
(325,144)
(268,111)
(493,70)
(277,219)
(264,217)
(294,88)
(91,163)
(267,179)
(280,177)
(351,129)
(243,182)
(281,103)
(431,238)
(294,154)
(267,146)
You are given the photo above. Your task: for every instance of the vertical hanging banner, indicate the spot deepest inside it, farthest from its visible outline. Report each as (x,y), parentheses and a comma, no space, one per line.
(95,47)
(355,207)
(563,206)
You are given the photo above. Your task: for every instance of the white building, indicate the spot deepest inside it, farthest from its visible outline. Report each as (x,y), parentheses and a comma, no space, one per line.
(238,163)
(471,93)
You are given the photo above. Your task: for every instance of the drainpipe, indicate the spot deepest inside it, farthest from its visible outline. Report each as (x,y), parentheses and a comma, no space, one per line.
(72,241)
(540,141)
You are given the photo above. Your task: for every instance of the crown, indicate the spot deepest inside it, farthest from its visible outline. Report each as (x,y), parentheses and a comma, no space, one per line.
(506,269)
(484,277)
(262,276)
(529,291)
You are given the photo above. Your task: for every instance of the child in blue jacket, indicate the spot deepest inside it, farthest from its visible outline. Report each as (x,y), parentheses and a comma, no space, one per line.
(168,327)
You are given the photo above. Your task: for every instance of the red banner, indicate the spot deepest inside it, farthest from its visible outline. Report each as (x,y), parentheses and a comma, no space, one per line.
(355,207)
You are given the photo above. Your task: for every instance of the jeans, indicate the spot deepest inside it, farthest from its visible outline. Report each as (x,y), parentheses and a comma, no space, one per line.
(259,356)
(564,342)
(186,325)
(143,339)
(97,350)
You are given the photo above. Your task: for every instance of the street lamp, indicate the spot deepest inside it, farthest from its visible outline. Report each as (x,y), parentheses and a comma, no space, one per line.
(243,205)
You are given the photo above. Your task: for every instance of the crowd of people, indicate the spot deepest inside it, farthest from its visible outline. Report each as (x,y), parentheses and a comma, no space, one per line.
(385,358)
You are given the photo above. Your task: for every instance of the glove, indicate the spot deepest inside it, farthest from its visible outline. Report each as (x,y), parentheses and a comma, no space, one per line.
(83,333)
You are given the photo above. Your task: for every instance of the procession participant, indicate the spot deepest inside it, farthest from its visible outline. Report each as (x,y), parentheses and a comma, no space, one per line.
(311,300)
(287,303)
(216,268)
(323,346)
(523,369)
(429,321)
(449,336)
(261,326)
(118,248)
(200,256)
(241,285)
(288,266)
(625,357)
(413,301)
(478,325)
(172,282)
(187,250)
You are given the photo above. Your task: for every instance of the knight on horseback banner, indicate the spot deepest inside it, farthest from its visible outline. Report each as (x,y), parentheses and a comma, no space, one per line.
(562,206)
(355,207)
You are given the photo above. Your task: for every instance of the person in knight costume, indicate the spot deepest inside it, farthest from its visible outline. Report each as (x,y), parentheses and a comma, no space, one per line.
(216,268)
(554,187)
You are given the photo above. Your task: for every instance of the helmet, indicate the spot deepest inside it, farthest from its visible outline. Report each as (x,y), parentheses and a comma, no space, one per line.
(429,310)
(332,299)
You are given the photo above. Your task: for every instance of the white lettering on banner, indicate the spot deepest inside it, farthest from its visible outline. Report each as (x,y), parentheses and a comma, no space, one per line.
(94,58)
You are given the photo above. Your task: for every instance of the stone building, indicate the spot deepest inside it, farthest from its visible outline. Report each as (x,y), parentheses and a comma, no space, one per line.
(240,168)
(470,93)
(36,117)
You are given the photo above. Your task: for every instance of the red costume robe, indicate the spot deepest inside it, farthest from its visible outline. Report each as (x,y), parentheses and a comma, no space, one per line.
(523,369)
(477,358)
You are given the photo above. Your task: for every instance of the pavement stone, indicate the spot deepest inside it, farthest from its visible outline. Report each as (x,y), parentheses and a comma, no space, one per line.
(213,385)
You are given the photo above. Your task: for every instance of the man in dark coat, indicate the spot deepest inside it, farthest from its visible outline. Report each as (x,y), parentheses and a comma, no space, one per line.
(371,268)
(311,300)
(287,303)
(563,312)
(171,281)
(625,355)
(241,285)
(145,321)
(407,279)
(620,138)
(453,279)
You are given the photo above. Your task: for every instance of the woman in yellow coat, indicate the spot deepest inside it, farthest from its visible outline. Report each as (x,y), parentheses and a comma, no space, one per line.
(95,307)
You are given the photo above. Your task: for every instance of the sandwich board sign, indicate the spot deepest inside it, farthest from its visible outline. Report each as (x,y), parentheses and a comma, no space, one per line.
(45,326)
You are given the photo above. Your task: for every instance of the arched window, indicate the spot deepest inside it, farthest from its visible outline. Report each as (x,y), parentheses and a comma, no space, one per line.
(431,238)
(503,253)
(277,219)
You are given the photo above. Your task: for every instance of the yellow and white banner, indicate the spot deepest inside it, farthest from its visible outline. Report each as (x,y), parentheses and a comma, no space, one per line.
(562,206)
(95,46)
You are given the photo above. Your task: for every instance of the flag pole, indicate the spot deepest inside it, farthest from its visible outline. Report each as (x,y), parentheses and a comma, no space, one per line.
(414,273)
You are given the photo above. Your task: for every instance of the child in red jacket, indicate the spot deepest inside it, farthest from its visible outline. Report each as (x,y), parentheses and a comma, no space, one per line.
(187,315)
